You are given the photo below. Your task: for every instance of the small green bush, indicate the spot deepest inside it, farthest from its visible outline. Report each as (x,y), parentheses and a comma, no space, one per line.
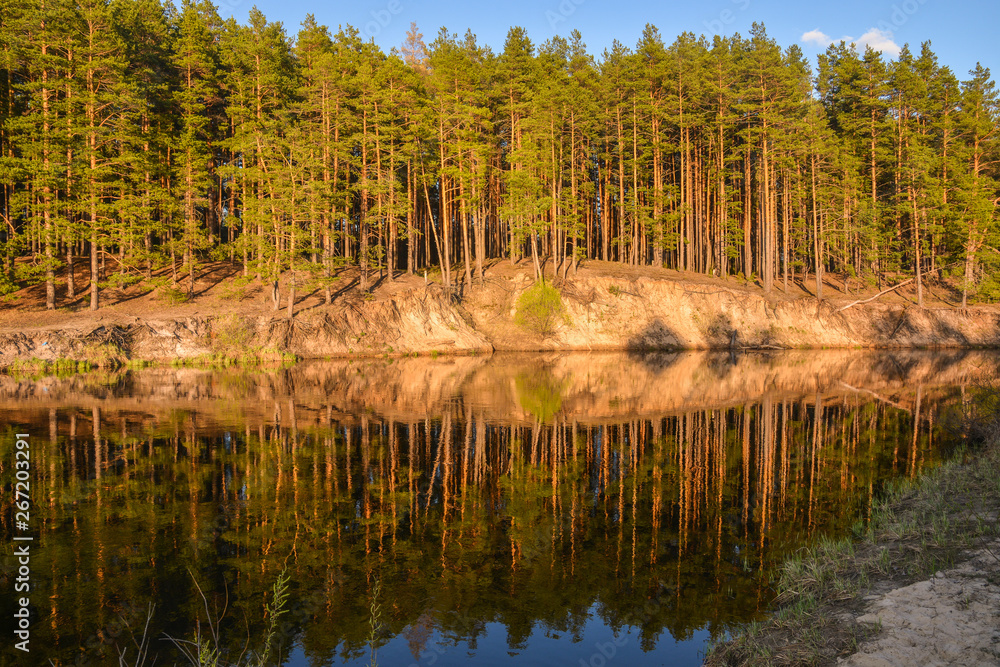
(174,295)
(231,335)
(236,289)
(121,281)
(7,287)
(105,355)
(539,309)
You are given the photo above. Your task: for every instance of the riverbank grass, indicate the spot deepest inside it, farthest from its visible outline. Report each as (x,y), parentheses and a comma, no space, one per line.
(35,369)
(253,357)
(919,527)
(106,356)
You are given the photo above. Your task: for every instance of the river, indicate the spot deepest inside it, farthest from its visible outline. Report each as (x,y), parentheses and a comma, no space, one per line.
(530,509)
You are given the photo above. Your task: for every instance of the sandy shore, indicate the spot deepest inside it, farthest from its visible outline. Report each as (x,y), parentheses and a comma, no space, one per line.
(953,618)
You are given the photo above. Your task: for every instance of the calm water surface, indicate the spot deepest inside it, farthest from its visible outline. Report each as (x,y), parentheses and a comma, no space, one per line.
(575,509)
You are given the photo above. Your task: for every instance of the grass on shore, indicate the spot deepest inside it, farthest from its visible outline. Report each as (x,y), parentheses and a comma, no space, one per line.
(249,358)
(918,527)
(35,369)
(106,356)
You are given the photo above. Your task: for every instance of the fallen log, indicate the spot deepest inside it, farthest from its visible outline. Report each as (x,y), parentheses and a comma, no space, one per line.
(893,289)
(860,301)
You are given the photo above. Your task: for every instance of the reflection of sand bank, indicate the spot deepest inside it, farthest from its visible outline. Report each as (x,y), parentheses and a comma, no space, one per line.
(516,387)
(600,386)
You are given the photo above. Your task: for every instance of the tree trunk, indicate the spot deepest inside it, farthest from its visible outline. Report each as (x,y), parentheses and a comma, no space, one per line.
(70,281)
(50,274)
(94,298)
(817,242)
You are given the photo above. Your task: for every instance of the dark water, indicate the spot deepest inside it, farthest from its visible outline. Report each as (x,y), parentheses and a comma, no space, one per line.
(576,509)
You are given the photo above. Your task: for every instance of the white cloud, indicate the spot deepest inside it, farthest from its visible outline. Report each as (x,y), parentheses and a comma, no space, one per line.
(817,37)
(880,40)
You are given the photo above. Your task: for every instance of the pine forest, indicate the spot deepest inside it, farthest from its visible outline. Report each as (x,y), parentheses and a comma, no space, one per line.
(143,141)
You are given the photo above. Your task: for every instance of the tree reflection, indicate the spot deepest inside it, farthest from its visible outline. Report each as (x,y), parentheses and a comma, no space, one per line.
(669,522)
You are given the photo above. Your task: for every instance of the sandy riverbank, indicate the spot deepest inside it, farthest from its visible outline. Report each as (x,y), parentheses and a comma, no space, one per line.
(605,306)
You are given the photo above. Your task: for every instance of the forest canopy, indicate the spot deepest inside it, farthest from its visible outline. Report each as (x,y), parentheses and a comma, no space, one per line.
(144,139)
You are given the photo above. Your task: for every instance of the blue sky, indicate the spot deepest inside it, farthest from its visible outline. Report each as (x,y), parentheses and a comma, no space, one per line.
(962,32)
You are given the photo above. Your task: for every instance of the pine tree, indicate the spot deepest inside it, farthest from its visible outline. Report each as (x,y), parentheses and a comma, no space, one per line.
(196,100)
(415,51)
(978,228)
(105,101)
(12,170)
(314,113)
(721,80)
(42,137)
(345,122)
(581,113)
(140,163)
(855,94)
(522,196)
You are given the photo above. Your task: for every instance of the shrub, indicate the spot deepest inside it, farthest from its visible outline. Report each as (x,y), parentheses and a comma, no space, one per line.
(105,355)
(231,335)
(121,281)
(539,309)
(174,295)
(236,289)
(7,287)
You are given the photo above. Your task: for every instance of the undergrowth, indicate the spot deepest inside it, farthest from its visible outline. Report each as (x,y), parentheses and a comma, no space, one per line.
(232,343)
(540,309)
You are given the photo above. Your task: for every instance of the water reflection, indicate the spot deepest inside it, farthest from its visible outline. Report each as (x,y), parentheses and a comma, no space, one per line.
(528,508)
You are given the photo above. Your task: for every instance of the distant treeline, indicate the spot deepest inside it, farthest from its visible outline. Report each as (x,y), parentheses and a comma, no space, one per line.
(138,136)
